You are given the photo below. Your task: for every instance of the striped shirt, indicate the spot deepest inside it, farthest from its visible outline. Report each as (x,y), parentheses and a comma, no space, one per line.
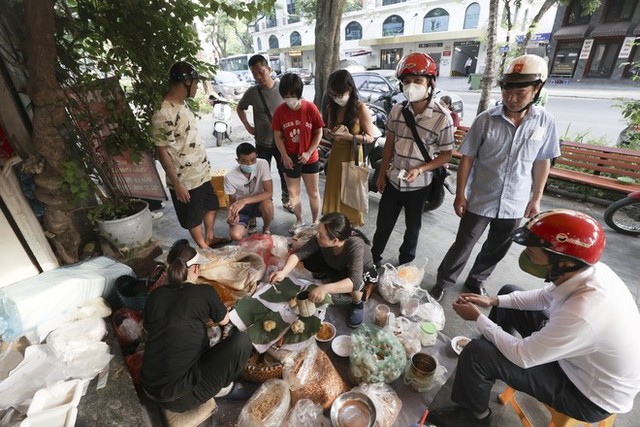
(435,128)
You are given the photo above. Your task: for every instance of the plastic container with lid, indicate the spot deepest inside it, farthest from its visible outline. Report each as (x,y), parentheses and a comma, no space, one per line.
(428,334)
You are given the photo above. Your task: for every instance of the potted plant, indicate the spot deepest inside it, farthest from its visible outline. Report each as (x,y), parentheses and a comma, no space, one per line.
(630,136)
(125,223)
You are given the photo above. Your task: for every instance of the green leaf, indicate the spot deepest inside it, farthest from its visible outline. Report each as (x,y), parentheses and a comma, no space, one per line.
(287,290)
(250,310)
(258,335)
(311,327)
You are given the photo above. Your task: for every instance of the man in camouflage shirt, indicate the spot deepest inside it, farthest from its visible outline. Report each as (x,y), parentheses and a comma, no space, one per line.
(184,158)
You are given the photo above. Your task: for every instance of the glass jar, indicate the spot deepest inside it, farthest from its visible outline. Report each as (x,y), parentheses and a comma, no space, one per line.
(419,372)
(428,334)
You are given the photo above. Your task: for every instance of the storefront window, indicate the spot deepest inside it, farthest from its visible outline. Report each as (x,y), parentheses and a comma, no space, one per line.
(566,58)
(393,26)
(389,58)
(472,16)
(619,10)
(353,31)
(575,14)
(436,20)
(603,58)
(273,42)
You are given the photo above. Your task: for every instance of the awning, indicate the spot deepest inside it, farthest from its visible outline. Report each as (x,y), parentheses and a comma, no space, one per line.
(611,29)
(287,49)
(475,33)
(571,32)
(357,52)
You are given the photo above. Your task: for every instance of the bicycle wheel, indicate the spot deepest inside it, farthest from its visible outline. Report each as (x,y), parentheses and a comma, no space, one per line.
(624,216)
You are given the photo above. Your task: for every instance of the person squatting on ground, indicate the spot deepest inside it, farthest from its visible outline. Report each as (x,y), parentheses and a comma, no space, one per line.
(340,253)
(184,157)
(250,190)
(349,126)
(577,351)
(405,173)
(263,98)
(298,130)
(507,150)
(180,371)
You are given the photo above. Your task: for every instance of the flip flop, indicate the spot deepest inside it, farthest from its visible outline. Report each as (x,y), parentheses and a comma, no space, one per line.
(219,241)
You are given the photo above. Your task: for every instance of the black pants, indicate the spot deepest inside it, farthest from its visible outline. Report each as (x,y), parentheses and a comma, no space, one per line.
(315,263)
(493,250)
(481,363)
(219,365)
(267,153)
(391,204)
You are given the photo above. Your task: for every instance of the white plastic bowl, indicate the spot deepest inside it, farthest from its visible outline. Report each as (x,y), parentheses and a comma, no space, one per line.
(341,345)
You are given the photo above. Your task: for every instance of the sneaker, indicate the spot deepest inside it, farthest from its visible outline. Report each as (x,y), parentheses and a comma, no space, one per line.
(193,417)
(252,226)
(296,226)
(356,317)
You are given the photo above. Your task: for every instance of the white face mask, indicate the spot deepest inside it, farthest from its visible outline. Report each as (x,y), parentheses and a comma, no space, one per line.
(342,100)
(293,103)
(414,92)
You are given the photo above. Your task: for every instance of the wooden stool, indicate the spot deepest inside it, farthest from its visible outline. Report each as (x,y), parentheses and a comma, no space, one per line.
(557,419)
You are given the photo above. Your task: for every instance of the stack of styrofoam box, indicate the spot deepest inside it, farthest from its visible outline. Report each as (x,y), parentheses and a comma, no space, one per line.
(55,406)
(217,180)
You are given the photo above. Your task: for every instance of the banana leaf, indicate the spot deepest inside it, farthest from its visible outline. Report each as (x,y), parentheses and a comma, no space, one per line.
(311,327)
(287,290)
(258,335)
(327,298)
(251,310)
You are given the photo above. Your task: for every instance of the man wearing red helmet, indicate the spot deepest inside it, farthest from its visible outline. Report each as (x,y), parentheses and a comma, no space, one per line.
(506,156)
(574,352)
(406,168)
(184,158)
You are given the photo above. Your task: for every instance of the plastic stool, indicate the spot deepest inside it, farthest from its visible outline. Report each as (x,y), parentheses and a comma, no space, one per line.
(557,419)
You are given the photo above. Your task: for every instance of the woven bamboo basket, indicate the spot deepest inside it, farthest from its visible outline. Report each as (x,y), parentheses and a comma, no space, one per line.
(260,368)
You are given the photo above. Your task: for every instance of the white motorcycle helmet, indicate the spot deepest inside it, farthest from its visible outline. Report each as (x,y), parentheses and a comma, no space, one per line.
(526,70)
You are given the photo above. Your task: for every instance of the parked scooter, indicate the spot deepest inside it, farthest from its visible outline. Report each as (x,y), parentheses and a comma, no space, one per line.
(221,120)
(624,215)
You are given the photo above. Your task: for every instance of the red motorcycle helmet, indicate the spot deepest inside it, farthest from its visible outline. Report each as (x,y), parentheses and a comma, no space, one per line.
(416,64)
(565,232)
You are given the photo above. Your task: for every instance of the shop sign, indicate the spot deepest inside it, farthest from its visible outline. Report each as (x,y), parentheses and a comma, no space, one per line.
(429,45)
(627,45)
(586,49)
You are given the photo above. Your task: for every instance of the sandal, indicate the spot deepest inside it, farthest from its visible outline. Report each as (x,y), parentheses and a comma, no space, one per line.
(219,241)
(288,207)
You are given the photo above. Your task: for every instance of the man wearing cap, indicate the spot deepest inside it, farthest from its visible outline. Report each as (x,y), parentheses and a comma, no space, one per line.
(184,158)
(506,156)
(576,350)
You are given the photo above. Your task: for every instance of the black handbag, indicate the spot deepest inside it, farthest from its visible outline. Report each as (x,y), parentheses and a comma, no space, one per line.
(440,173)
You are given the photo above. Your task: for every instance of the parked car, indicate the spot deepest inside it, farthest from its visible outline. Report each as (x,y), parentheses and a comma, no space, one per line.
(381,88)
(229,85)
(304,74)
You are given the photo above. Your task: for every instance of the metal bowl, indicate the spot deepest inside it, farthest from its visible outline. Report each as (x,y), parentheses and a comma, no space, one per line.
(353,409)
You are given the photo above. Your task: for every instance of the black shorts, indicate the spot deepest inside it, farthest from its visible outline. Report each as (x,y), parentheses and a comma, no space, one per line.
(299,168)
(203,199)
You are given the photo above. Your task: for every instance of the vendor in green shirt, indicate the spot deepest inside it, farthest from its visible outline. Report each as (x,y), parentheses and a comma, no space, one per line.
(341,253)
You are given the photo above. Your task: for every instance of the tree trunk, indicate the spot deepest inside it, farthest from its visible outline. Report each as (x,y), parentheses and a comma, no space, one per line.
(48,124)
(490,63)
(328,15)
(534,23)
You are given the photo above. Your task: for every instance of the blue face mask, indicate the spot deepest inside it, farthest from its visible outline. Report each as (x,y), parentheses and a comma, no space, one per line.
(248,168)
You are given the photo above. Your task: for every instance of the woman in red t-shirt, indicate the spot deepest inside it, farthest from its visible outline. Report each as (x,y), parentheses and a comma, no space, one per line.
(297,126)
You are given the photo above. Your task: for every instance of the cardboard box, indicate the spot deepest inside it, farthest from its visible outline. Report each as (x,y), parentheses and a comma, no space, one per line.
(217,180)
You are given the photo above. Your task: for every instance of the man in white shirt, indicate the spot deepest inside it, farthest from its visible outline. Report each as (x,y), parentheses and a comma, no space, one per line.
(577,350)
(250,191)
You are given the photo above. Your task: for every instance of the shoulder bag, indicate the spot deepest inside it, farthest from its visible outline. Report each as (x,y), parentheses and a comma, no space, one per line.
(440,173)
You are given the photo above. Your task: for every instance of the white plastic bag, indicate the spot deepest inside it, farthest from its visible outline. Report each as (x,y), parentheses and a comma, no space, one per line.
(396,283)
(268,406)
(408,334)
(419,306)
(385,400)
(305,413)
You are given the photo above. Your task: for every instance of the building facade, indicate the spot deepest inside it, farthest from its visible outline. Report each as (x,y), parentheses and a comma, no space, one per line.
(382,31)
(602,45)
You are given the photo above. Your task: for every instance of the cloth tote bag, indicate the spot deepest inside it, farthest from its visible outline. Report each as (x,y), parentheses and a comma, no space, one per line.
(354,188)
